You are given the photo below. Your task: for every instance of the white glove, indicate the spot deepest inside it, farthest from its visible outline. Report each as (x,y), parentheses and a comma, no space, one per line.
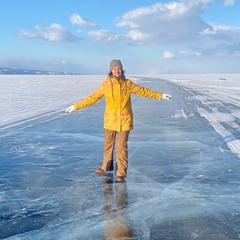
(166,96)
(70,109)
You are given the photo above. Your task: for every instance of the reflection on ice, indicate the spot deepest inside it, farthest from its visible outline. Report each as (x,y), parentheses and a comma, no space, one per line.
(116,225)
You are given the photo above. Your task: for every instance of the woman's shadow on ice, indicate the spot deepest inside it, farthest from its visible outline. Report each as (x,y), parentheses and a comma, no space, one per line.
(116,224)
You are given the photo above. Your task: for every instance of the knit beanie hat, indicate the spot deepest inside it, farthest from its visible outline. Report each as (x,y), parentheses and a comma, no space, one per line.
(115,63)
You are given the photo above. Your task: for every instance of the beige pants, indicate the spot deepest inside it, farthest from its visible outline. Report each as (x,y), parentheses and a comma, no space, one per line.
(121,151)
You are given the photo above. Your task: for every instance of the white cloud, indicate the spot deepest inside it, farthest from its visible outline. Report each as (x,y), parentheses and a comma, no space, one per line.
(102,34)
(137,35)
(78,20)
(168,54)
(181,54)
(53,33)
(222,29)
(229,2)
(170,23)
(221,38)
(188,53)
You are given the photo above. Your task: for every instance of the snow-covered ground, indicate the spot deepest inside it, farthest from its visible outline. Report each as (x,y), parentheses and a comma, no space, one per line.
(217,100)
(32,96)
(183,179)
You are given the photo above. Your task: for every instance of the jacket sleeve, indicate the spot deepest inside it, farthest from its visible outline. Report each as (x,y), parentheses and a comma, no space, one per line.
(144,92)
(91,99)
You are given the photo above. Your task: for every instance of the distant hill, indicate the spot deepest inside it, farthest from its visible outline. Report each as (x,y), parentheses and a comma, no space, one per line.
(32,72)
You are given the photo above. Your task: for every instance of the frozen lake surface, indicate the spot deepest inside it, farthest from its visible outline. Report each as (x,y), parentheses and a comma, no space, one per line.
(184,160)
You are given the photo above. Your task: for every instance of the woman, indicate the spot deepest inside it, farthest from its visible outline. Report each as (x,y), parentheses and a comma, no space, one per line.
(118,116)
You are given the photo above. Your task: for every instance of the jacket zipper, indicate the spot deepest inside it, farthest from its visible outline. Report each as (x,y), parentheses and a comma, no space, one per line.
(120,107)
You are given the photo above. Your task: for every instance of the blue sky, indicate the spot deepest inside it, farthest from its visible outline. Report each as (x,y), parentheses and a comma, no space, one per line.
(150,37)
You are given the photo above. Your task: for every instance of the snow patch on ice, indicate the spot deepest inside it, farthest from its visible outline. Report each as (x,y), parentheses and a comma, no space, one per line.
(180,114)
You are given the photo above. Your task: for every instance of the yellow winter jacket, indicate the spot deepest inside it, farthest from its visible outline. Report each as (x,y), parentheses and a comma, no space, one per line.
(118,114)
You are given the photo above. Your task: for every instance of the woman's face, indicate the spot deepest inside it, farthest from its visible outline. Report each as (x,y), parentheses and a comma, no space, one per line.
(117,71)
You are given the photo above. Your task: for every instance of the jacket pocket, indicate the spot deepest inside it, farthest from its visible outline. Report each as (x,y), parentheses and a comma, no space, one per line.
(110,121)
(127,120)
